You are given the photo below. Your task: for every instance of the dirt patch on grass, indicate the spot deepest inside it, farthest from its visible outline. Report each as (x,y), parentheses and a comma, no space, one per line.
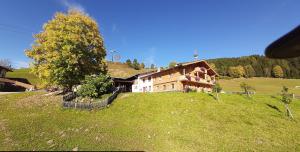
(122,96)
(38,101)
(7,136)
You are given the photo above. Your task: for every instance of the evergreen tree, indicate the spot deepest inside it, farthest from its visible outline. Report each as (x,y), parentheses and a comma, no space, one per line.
(135,64)
(142,65)
(262,66)
(129,63)
(152,66)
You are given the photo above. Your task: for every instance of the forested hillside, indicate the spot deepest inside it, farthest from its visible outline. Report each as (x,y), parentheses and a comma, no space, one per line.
(257,66)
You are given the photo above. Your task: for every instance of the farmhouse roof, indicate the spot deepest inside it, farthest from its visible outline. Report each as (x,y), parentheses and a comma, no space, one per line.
(189,63)
(6,68)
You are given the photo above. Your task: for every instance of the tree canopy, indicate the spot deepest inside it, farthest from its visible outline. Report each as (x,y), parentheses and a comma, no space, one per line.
(129,63)
(135,64)
(172,64)
(68,48)
(236,72)
(262,66)
(249,71)
(277,72)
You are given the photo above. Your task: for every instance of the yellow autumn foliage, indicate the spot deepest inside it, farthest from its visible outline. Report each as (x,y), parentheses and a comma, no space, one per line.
(68,48)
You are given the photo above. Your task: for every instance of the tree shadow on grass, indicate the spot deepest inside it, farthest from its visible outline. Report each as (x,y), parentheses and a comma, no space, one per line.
(212,96)
(246,97)
(273,107)
(277,98)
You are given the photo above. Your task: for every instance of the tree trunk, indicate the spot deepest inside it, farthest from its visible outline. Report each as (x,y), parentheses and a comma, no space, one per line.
(248,94)
(217,96)
(288,111)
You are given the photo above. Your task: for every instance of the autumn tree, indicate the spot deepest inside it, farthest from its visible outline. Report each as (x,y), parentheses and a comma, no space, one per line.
(237,71)
(277,72)
(213,66)
(67,49)
(172,64)
(249,71)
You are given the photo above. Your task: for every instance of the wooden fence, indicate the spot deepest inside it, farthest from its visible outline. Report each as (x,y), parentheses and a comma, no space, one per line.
(68,101)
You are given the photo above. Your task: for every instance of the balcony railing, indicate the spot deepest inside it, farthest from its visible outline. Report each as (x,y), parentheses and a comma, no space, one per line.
(196,79)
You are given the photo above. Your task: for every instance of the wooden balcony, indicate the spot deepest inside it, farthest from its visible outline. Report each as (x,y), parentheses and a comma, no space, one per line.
(195,79)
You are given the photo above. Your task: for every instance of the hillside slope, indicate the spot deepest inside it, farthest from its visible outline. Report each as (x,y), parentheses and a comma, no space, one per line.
(24,73)
(115,69)
(150,122)
(121,70)
(262,85)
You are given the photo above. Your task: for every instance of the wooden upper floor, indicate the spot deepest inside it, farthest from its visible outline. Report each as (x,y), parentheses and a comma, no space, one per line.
(198,71)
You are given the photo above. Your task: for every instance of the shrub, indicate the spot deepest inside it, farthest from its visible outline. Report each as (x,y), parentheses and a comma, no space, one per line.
(217,89)
(95,86)
(286,99)
(247,88)
(277,72)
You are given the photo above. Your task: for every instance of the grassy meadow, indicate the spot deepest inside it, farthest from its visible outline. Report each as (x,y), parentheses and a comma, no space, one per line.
(154,121)
(262,85)
(25,73)
(150,122)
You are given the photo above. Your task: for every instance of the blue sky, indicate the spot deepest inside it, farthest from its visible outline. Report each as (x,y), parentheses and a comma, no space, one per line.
(157,31)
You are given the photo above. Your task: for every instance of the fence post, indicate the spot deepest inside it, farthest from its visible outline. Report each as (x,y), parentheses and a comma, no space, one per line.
(293,96)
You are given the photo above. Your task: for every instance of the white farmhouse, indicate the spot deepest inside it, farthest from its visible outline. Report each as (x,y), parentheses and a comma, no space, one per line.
(144,83)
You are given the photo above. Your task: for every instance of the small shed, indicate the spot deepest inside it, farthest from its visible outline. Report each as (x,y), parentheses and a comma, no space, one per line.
(126,83)
(3,71)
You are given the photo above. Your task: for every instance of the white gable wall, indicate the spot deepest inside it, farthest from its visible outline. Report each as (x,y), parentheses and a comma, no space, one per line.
(143,84)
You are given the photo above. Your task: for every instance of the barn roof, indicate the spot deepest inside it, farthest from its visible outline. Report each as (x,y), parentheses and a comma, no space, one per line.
(6,68)
(190,63)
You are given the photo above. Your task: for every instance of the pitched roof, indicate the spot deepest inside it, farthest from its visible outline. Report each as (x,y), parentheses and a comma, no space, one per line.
(189,63)
(6,68)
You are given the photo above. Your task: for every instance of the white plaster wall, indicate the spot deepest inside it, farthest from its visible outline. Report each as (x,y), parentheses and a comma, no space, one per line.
(141,84)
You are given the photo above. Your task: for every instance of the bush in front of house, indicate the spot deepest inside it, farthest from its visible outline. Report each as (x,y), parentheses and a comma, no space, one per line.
(95,86)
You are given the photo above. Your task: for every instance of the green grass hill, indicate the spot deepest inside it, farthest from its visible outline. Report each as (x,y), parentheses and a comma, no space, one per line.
(115,69)
(150,122)
(262,85)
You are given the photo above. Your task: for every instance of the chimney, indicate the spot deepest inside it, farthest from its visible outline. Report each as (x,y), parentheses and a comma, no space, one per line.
(196,55)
